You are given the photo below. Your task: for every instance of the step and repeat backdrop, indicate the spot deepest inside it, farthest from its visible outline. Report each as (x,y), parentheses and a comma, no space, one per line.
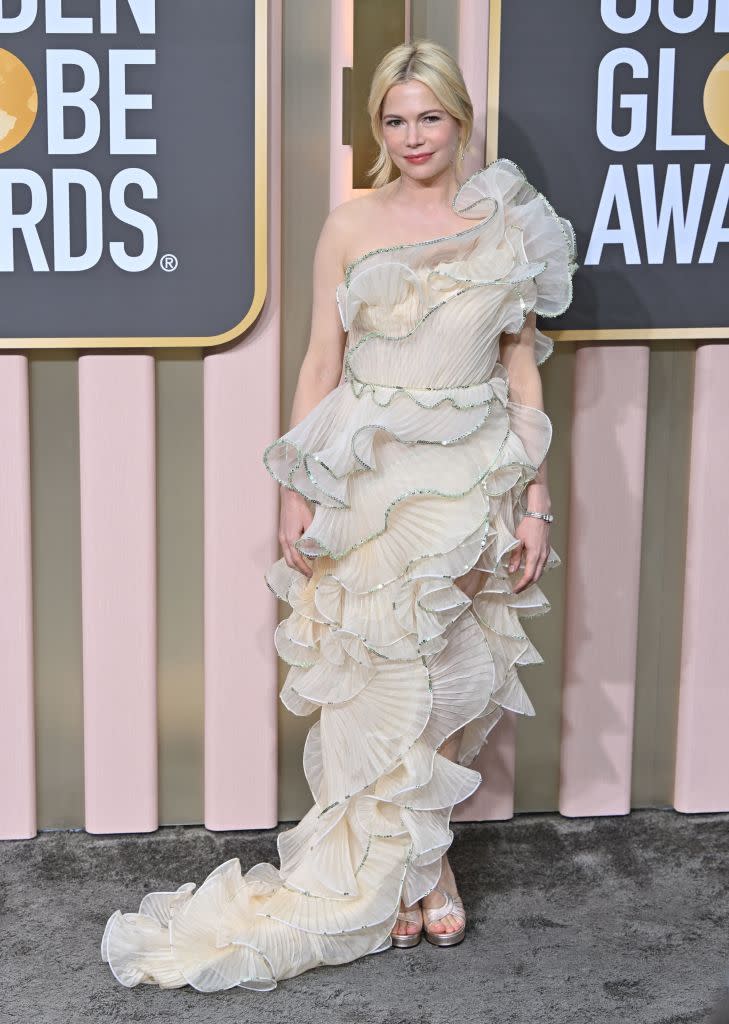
(164,166)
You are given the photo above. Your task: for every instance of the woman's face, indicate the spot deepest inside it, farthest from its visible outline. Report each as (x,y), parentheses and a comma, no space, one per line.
(414,122)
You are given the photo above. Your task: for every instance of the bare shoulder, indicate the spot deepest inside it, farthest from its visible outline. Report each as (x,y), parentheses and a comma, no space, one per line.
(352,222)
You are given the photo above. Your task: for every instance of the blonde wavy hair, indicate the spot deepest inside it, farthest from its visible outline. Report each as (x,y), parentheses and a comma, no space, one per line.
(424,61)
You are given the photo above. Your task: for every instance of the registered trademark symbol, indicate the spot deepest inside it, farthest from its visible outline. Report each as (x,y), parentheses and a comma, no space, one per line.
(168,262)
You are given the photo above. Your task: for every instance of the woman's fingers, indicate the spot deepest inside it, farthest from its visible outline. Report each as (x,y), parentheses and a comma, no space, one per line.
(515,557)
(528,576)
(296,517)
(294,559)
(532,570)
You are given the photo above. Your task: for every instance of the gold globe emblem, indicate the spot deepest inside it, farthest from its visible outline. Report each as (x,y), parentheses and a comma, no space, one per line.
(18,101)
(716,99)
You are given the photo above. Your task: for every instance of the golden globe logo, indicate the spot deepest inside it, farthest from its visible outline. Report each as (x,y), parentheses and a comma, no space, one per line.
(26,199)
(18,101)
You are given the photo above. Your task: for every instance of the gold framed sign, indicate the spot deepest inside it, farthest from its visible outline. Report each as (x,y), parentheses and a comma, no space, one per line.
(619,114)
(133,172)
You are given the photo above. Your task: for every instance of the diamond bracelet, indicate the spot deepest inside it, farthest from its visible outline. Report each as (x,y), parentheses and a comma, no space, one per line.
(546,516)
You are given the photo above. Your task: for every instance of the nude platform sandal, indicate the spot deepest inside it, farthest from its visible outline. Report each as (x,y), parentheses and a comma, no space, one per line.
(452,905)
(410,917)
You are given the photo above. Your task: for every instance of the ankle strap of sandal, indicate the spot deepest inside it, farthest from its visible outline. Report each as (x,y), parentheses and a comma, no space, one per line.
(453,905)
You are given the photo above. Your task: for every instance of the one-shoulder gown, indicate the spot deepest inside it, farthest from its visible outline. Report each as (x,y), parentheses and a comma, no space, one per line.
(414,466)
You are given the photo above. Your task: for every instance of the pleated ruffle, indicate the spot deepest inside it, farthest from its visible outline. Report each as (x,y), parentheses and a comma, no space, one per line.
(414,467)
(520,251)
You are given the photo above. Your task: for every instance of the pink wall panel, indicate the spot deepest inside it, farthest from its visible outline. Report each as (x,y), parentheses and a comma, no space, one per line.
(242,396)
(118,591)
(473,58)
(702,752)
(342,55)
(17,723)
(603,576)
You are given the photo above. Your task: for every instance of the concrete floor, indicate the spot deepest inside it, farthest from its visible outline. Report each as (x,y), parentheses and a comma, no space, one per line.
(620,919)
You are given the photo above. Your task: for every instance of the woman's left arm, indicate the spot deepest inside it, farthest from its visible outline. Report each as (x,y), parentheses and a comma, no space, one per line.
(525,387)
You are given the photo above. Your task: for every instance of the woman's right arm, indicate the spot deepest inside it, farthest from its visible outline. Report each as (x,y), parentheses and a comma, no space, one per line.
(320,372)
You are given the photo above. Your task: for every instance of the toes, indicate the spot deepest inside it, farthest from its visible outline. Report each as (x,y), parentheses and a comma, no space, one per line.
(449,923)
(405,928)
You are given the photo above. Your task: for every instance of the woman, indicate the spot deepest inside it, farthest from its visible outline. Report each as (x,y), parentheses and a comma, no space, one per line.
(414,486)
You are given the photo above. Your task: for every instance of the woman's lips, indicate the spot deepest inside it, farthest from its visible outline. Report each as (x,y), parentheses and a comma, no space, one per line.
(419,159)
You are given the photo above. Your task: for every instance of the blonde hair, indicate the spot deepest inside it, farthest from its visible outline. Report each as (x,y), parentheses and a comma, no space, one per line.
(424,61)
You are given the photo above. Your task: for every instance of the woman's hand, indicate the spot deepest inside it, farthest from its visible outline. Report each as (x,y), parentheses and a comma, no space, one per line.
(533,535)
(296,516)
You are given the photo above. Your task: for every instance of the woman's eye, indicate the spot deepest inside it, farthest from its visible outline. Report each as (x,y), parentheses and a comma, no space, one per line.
(397,120)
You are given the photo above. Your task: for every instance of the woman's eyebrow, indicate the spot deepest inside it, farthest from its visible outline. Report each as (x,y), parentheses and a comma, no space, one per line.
(433,110)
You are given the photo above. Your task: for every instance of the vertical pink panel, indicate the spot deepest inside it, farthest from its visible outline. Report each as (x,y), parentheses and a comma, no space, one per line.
(241,398)
(473,58)
(603,575)
(342,55)
(17,722)
(702,753)
(118,591)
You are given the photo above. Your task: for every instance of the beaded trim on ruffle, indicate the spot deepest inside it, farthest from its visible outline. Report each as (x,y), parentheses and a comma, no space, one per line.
(303,457)
(564,225)
(432,492)
(394,579)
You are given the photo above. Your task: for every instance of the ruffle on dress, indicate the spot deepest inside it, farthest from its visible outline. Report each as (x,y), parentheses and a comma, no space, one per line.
(413,466)
(520,245)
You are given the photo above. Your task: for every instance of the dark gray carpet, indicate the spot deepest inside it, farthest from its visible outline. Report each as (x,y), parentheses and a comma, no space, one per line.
(620,919)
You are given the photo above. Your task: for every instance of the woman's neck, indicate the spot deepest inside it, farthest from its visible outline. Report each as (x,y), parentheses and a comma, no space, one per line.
(430,194)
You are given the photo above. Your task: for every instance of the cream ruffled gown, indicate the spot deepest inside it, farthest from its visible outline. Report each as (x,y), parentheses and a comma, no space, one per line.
(415,464)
